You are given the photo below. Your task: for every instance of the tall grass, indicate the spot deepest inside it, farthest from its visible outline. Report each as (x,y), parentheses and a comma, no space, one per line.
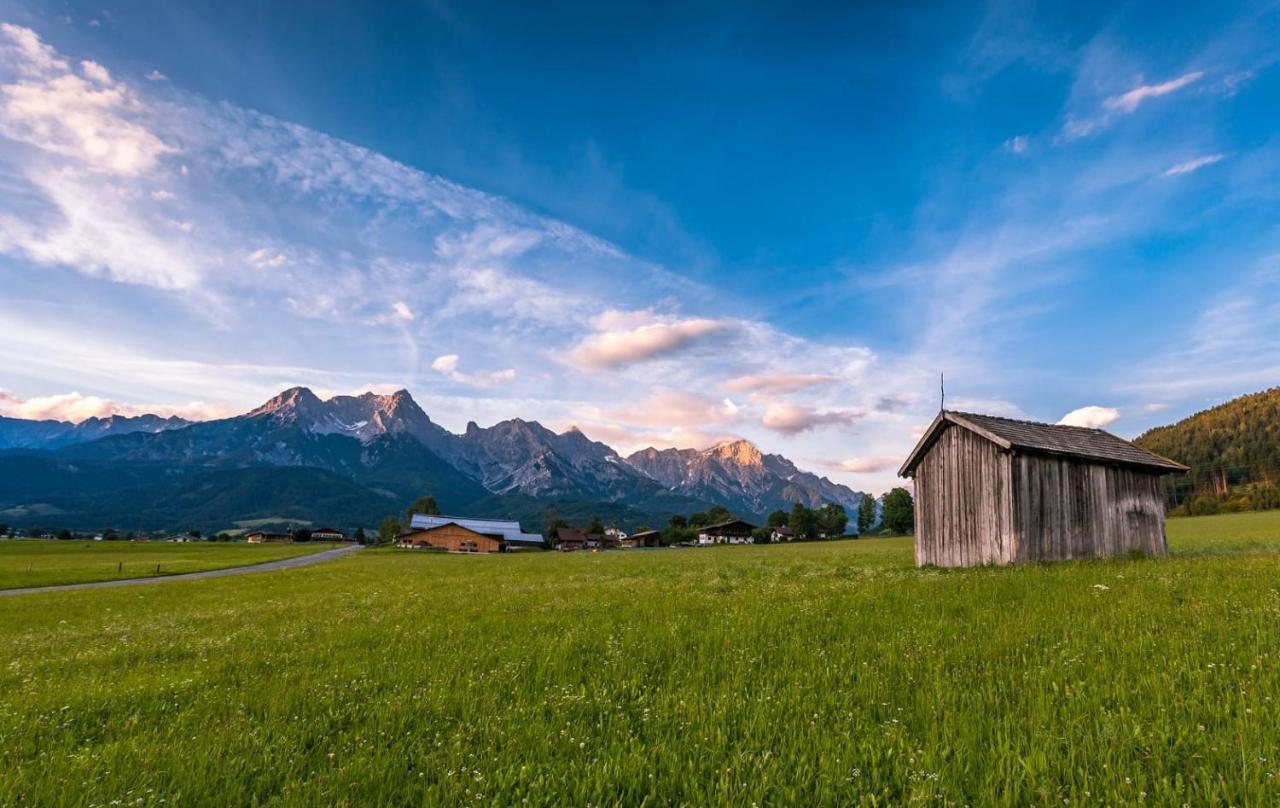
(815,674)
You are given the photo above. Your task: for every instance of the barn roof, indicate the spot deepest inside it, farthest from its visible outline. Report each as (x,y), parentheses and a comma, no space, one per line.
(1054,439)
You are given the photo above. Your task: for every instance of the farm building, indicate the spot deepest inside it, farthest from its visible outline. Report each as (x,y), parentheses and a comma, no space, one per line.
(461,535)
(328,534)
(570,539)
(734,531)
(264,537)
(993,490)
(643,538)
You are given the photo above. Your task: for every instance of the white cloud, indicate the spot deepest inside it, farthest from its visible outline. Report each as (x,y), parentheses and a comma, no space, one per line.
(28,55)
(402,310)
(613,349)
(1194,164)
(448,365)
(445,364)
(155,75)
(1092,417)
(1129,101)
(1018,144)
(267,258)
(792,419)
(95,72)
(86,117)
(161,195)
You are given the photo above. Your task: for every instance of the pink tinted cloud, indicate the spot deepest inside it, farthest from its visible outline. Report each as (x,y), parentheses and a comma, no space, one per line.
(76,407)
(777,382)
(792,419)
(609,349)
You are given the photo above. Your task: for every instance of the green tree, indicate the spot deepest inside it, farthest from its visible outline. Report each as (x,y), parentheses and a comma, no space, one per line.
(866,514)
(832,519)
(777,519)
(803,524)
(65,534)
(389,530)
(596,527)
(360,537)
(425,505)
(762,535)
(678,521)
(899,515)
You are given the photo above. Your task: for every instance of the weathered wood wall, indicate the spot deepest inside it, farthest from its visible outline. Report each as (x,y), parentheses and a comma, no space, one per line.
(977,504)
(964,503)
(1067,508)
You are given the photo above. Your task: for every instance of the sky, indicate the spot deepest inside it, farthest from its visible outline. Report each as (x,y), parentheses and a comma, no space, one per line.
(668,225)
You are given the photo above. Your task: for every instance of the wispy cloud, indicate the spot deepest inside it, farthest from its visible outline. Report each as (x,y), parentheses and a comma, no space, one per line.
(1194,164)
(1129,101)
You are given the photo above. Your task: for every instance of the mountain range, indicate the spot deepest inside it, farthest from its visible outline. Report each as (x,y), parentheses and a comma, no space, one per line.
(350,460)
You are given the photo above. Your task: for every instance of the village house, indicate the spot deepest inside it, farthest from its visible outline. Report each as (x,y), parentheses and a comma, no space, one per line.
(264,537)
(734,531)
(782,533)
(328,534)
(463,535)
(644,538)
(572,539)
(993,490)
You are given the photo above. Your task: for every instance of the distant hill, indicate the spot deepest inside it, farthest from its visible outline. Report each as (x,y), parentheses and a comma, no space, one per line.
(18,433)
(350,460)
(1233,449)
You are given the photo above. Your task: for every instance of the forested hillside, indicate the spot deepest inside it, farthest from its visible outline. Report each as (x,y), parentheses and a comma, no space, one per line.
(1233,451)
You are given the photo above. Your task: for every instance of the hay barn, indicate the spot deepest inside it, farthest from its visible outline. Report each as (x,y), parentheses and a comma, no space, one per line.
(464,535)
(993,490)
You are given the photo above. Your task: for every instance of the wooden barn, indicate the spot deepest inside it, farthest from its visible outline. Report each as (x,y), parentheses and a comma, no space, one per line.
(993,490)
(464,535)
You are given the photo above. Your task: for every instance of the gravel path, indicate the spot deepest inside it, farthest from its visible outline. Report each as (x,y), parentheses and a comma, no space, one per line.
(266,566)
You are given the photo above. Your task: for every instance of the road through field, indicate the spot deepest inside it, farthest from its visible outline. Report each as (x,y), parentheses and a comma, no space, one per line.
(267,566)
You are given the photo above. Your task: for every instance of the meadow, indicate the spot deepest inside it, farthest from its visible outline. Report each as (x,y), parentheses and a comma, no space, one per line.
(809,674)
(41,562)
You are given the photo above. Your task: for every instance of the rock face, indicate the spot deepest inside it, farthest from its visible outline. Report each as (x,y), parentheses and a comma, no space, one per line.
(738,475)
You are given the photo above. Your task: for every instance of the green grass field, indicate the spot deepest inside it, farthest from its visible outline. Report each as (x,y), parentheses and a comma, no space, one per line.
(812,674)
(34,562)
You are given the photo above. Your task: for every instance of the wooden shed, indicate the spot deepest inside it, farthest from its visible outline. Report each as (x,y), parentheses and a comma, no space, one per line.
(993,490)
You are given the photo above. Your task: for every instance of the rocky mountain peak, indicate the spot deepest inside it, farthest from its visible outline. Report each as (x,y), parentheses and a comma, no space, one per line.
(738,452)
(295,403)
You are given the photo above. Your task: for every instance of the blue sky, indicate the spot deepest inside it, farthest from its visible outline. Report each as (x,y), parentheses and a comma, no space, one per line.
(666,225)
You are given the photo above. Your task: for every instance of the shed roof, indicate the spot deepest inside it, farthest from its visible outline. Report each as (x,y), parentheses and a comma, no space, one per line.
(1054,439)
(508,530)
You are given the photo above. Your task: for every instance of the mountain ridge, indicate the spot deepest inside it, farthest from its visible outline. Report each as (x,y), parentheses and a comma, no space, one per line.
(388,445)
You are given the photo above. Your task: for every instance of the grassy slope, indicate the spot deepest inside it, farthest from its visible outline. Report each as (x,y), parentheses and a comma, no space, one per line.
(805,674)
(73,562)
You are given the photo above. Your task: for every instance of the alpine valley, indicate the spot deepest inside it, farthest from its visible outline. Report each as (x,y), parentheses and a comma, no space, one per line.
(351,460)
